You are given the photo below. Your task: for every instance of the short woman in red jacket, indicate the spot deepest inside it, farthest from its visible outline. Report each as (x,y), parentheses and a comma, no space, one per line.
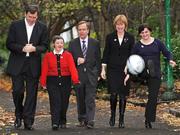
(58,69)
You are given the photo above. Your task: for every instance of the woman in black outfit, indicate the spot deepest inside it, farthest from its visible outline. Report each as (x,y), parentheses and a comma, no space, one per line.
(117,49)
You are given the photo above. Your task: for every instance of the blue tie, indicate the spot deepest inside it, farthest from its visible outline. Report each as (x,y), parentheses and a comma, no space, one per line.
(84,48)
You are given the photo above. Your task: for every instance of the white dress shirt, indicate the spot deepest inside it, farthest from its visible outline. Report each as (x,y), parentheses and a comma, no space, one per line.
(29,29)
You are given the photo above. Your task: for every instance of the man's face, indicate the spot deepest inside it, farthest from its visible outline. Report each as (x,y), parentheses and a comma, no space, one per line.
(83,31)
(31,18)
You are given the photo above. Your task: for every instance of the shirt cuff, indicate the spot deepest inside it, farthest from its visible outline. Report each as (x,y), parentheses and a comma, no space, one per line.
(103,64)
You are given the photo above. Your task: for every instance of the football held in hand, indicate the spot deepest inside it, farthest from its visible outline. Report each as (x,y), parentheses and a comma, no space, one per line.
(135,64)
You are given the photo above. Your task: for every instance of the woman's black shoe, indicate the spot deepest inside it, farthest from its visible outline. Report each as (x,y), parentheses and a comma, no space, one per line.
(148,124)
(121,121)
(55,127)
(17,123)
(121,125)
(28,127)
(112,121)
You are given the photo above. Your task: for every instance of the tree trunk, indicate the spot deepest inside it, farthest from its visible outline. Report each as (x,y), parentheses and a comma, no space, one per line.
(162,17)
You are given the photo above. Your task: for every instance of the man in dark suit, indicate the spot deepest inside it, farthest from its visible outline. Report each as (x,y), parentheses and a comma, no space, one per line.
(27,39)
(86,54)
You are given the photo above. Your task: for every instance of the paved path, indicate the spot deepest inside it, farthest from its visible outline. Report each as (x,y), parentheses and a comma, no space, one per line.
(134,121)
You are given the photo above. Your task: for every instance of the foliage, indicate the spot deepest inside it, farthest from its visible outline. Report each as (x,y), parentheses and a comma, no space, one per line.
(175,50)
(176,53)
(100,13)
(3,53)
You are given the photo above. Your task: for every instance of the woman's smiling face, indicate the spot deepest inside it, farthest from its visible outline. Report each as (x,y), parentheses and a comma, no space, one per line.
(145,34)
(58,45)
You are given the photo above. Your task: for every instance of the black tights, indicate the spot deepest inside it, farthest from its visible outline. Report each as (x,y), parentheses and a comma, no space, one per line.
(122,103)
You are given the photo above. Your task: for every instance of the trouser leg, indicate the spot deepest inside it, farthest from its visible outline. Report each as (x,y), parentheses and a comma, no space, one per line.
(153,89)
(54,99)
(31,100)
(81,106)
(18,94)
(65,94)
(90,103)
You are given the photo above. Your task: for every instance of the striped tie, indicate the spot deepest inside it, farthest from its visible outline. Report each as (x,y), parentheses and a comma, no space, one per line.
(84,48)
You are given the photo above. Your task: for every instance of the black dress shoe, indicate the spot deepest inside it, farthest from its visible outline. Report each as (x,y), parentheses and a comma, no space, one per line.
(63,126)
(121,125)
(17,123)
(28,127)
(55,127)
(81,124)
(148,124)
(90,126)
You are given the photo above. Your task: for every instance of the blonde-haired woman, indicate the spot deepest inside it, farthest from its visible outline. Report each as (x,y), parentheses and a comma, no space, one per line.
(117,50)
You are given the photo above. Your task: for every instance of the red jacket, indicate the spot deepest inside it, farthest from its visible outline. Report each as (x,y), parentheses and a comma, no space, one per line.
(67,66)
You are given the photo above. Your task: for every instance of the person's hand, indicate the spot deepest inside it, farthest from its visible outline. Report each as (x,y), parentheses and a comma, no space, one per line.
(103,71)
(25,48)
(172,63)
(103,74)
(126,79)
(29,48)
(77,86)
(80,60)
(125,70)
(44,87)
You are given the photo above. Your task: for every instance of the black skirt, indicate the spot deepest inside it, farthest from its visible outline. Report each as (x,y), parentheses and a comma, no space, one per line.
(115,80)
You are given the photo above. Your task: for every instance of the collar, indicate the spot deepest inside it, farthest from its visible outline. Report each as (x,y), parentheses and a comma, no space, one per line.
(86,40)
(61,52)
(26,23)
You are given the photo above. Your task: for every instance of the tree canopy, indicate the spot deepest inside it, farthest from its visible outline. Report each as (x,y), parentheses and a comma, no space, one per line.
(55,13)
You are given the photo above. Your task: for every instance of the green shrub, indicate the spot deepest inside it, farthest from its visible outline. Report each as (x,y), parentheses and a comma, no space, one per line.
(175,42)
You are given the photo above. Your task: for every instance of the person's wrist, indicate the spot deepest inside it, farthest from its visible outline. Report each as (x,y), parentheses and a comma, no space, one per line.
(34,49)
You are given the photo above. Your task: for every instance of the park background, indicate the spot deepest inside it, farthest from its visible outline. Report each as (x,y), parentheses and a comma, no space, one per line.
(61,17)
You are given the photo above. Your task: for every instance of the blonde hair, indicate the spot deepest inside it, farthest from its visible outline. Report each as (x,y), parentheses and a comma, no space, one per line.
(122,18)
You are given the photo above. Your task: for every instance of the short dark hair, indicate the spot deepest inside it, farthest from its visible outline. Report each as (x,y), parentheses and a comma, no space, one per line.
(32,8)
(143,26)
(56,37)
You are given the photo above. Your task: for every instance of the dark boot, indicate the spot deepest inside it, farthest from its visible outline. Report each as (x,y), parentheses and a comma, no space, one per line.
(121,121)
(122,106)
(113,103)
(148,124)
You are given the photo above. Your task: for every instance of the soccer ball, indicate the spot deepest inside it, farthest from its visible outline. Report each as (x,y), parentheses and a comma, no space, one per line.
(135,64)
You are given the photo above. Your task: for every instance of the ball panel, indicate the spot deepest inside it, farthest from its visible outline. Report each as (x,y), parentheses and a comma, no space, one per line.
(135,64)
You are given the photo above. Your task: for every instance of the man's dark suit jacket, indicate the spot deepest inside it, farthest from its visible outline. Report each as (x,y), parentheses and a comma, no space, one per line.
(17,38)
(93,59)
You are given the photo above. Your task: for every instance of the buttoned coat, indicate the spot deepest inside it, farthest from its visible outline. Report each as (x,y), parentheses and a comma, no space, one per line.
(115,56)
